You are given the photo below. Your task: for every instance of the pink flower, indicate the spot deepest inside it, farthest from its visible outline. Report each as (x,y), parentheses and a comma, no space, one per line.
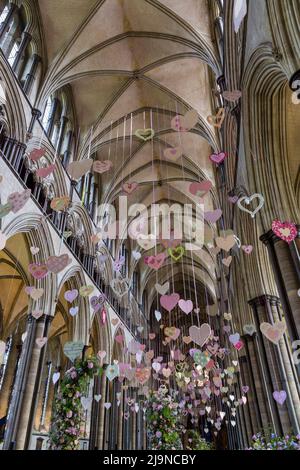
(90,365)
(70,414)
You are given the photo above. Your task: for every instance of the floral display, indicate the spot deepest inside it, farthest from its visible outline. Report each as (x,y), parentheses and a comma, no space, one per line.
(68,414)
(196,442)
(164,427)
(270,441)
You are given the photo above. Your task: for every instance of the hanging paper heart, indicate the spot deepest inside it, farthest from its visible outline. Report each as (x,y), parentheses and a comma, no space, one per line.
(34,293)
(71,295)
(156,261)
(218,119)
(227,316)
(112,371)
(186,306)
(232,95)
(142,374)
(234,338)
(79,168)
(233,199)
(247,200)
(249,329)
(36,154)
(168,302)
(136,255)
(162,289)
(128,188)
(37,314)
(287,231)
(102,167)
(118,263)
(85,402)
(38,271)
(157,315)
(56,264)
(280,396)
(186,122)
(85,291)
(34,250)
(45,171)
(55,377)
(226,243)
(18,200)
(245,388)
(5,209)
(60,203)
(227,261)
(101,355)
(218,157)
(119,339)
(146,241)
(97,398)
(273,332)
(173,153)
(120,287)
(176,253)
(73,311)
(200,335)
(200,188)
(40,342)
(172,332)
(247,249)
(73,349)
(213,216)
(107,405)
(144,134)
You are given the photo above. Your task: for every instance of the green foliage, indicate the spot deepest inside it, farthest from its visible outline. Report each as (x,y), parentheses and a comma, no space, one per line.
(196,442)
(163,418)
(67,416)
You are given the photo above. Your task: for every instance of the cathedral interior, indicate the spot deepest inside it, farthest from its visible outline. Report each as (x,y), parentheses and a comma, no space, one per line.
(121,120)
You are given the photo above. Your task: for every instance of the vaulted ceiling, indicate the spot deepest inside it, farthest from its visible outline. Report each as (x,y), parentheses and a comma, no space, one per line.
(135,64)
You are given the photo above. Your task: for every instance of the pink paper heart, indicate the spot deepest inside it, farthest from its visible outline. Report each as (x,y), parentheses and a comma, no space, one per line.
(156,261)
(287,231)
(168,302)
(200,188)
(44,172)
(247,249)
(218,157)
(71,295)
(128,188)
(186,306)
(213,216)
(279,396)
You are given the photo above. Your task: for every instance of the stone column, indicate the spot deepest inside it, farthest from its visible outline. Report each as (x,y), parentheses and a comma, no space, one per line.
(120,423)
(10,375)
(35,114)
(3,28)
(26,38)
(133,426)
(95,414)
(67,153)
(257,383)
(30,77)
(251,410)
(63,123)
(25,394)
(284,417)
(101,421)
(285,259)
(51,120)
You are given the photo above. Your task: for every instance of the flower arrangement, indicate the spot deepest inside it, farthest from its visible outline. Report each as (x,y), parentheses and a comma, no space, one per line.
(164,426)
(196,442)
(266,441)
(67,416)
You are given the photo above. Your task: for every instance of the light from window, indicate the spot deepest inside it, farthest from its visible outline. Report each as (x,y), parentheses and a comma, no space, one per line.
(13,54)
(47,112)
(4,14)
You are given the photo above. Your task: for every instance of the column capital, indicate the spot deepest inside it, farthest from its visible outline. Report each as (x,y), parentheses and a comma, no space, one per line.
(36,113)
(269,238)
(263,300)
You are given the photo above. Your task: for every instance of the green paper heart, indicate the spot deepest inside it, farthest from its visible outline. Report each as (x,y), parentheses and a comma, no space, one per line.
(176,253)
(144,134)
(5,209)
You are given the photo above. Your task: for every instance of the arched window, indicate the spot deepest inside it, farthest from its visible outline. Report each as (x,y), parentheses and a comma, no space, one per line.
(13,54)
(4,14)
(47,111)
